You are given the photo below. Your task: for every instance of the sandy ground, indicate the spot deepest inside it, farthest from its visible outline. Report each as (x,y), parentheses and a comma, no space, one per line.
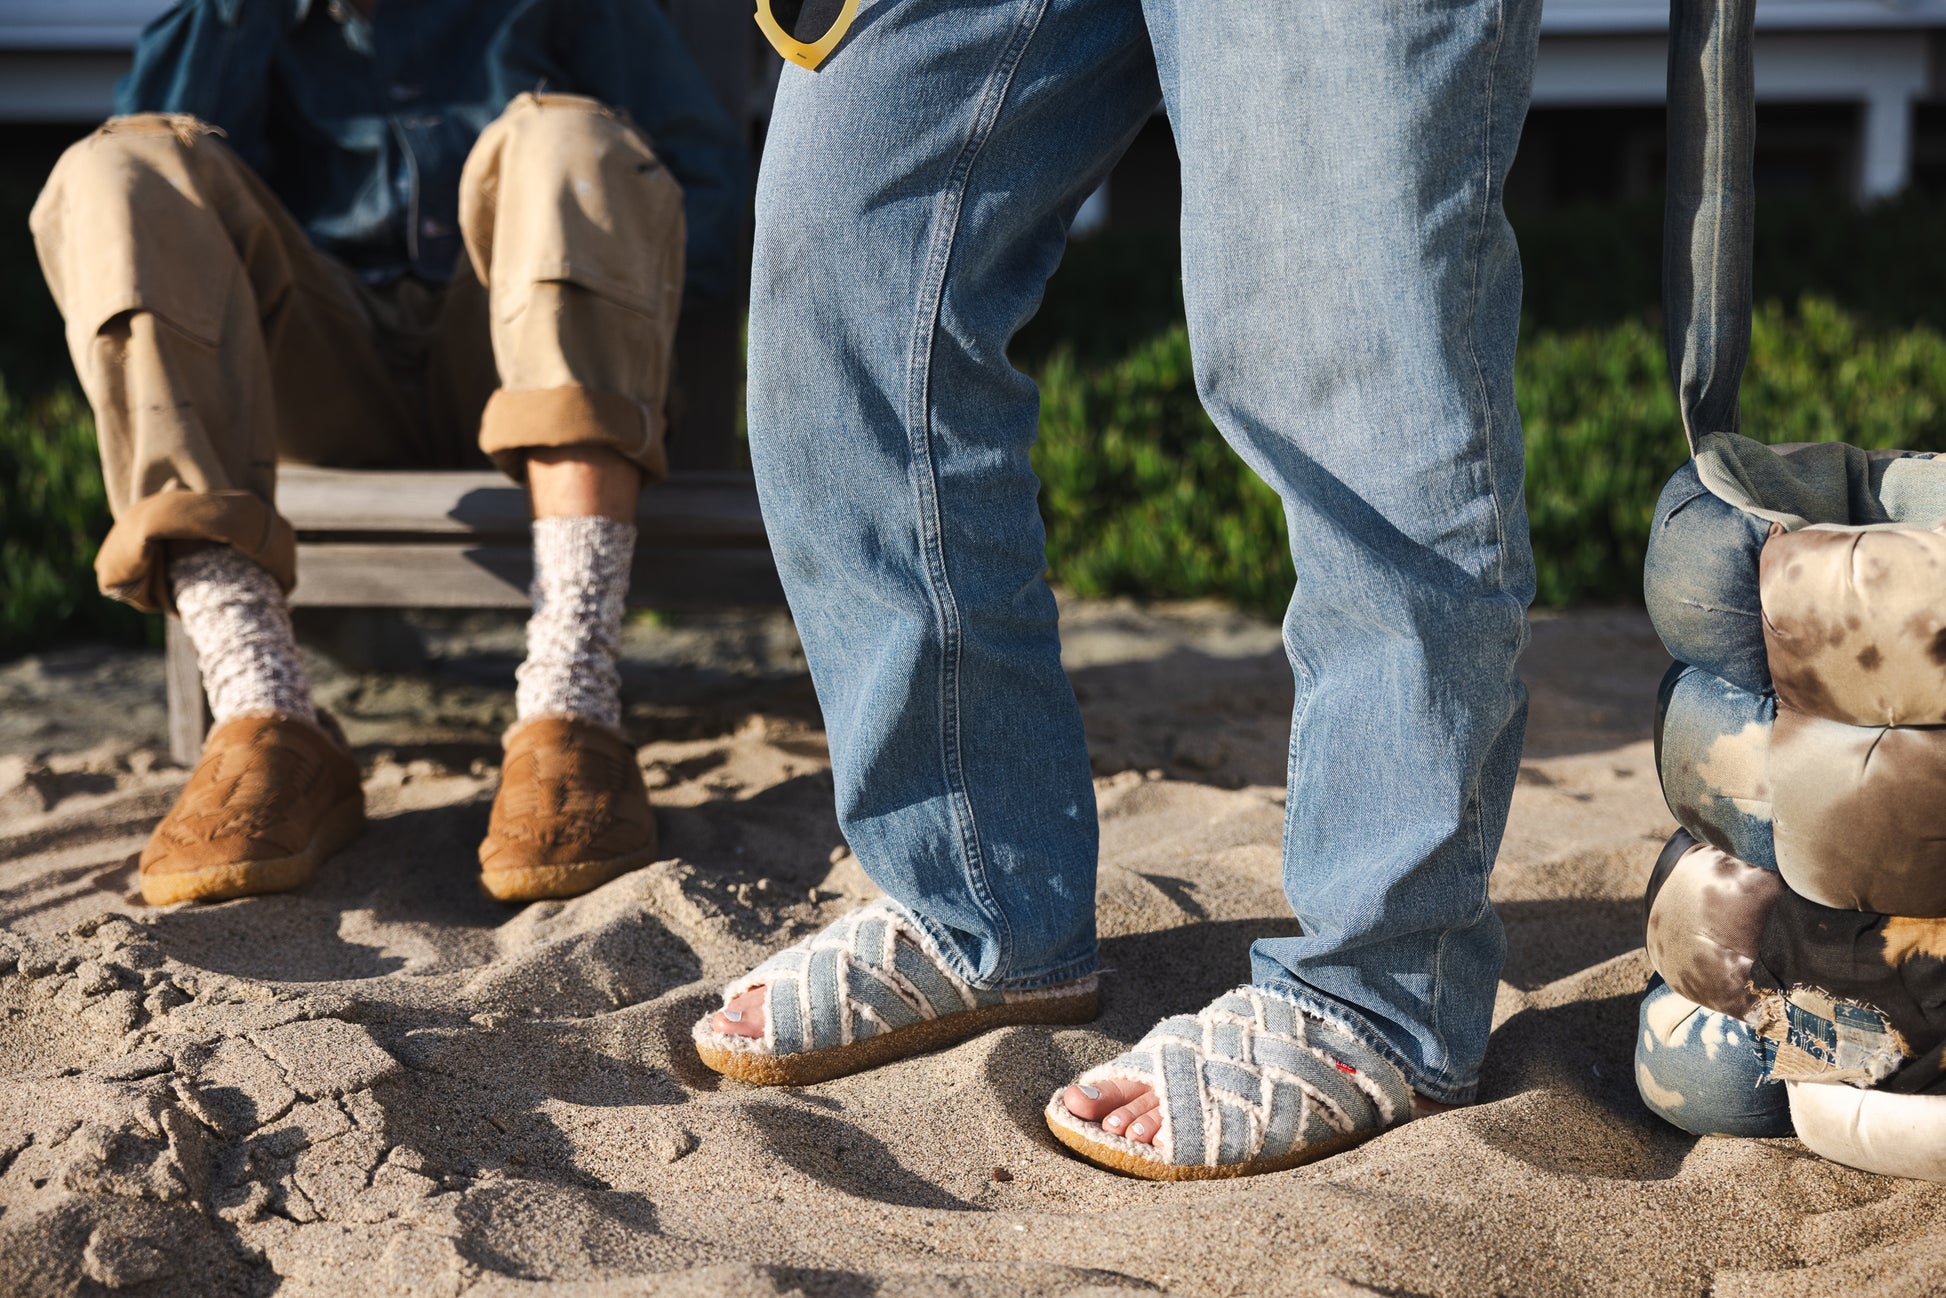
(385,1084)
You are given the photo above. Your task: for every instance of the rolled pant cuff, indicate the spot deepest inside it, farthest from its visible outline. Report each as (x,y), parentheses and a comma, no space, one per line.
(517,422)
(1437,1089)
(132,564)
(1030,982)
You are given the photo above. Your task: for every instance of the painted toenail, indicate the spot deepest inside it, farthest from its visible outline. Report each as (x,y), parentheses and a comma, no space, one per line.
(1092,1092)
(1139,1129)
(734,1016)
(1113,1120)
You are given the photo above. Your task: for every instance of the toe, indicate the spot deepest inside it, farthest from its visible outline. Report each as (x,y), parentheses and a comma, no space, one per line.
(1144,1124)
(1090,1103)
(1137,1119)
(743,1016)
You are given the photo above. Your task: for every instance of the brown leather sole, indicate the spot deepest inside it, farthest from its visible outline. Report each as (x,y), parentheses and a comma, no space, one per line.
(542,882)
(1111,1159)
(223,881)
(811,1066)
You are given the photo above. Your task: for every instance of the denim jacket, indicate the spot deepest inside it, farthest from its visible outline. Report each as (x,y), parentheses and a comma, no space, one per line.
(361,126)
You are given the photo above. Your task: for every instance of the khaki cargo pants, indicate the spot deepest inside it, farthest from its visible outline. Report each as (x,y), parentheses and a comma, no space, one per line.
(213,340)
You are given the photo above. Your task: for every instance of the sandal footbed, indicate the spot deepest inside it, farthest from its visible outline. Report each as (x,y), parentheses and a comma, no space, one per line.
(1112,1159)
(807,1067)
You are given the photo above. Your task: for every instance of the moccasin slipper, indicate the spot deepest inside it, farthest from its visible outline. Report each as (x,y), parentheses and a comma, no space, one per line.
(271,798)
(867,990)
(571,812)
(1251,1084)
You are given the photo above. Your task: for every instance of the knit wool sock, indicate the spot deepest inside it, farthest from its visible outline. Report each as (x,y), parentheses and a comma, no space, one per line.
(238,619)
(580,592)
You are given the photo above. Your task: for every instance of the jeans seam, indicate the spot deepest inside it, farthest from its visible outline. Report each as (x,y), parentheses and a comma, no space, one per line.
(925,474)
(1473,300)
(1298,713)
(1493,484)
(1486,905)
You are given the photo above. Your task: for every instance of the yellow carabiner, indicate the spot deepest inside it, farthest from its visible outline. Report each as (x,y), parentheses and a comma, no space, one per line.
(805,56)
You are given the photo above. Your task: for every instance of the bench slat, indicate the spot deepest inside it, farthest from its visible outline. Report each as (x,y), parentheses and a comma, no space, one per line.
(697,508)
(356,575)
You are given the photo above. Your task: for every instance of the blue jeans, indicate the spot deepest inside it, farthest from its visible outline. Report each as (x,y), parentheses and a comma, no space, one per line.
(1705,1072)
(1353,294)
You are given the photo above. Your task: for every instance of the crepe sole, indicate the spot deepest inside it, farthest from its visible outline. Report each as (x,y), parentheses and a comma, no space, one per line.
(809,1066)
(1154,1169)
(222,881)
(541,882)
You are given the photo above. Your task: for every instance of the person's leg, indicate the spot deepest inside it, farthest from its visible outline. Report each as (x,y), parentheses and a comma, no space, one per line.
(914,197)
(181,280)
(1353,294)
(575,231)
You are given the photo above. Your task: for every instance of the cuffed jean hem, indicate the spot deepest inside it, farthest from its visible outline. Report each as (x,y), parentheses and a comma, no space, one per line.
(132,565)
(517,422)
(1438,1090)
(1067,973)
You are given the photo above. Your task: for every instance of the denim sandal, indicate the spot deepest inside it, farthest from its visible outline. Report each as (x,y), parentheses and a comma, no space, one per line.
(1252,1084)
(867,990)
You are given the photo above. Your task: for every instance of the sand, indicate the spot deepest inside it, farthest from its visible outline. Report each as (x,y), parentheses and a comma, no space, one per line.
(385,1084)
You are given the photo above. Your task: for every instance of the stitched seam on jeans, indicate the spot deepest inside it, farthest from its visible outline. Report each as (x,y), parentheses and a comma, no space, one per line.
(1298,713)
(1473,303)
(1486,905)
(925,475)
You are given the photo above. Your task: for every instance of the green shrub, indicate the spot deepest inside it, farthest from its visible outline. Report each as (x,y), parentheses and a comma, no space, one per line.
(53,513)
(1585,266)
(1142,496)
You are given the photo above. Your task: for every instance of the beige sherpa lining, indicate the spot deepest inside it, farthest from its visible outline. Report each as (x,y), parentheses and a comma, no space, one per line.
(905,929)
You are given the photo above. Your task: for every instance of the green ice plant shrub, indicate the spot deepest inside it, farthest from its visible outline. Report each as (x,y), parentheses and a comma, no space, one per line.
(53,514)
(1142,497)
(1140,494)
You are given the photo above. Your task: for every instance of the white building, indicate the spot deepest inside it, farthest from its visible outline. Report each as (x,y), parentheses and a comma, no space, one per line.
(1875,54)
(59,60)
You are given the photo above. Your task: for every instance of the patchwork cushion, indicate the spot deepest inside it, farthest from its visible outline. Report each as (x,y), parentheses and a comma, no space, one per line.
(1713,754)
(1860,813)
(1889,969)
(1707,912)
(1854,623)
(1700,582)
(1892,1135)
(1801,742)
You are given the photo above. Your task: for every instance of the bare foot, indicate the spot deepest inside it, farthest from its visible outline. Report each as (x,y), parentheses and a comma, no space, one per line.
(1122,1108)
(1128,1109)
(743,1016)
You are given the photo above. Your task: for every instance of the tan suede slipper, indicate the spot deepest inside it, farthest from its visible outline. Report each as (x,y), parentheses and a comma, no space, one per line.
(869,989)
(571,814)
(271,799)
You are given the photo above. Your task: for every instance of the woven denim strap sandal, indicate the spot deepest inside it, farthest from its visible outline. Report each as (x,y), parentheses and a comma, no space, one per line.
(867,990)
(1252,1084)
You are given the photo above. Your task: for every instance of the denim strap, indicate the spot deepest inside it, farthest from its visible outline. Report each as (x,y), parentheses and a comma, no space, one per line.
(1253,1076)
(1710,208)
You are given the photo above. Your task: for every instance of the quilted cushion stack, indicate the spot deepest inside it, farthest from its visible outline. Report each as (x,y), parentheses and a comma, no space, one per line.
(1801,742)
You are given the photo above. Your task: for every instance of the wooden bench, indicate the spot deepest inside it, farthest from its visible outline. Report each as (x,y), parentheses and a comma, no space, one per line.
(383,539)
(433,539)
